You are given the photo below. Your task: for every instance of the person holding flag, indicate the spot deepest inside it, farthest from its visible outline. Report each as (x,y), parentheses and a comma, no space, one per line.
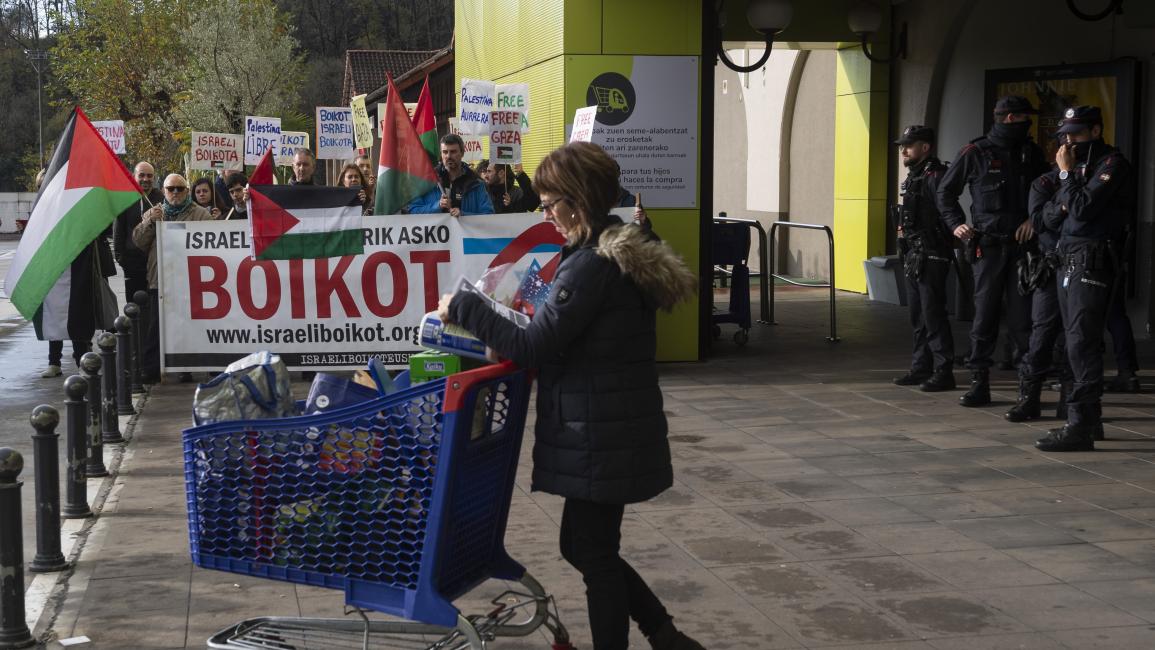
(459,191)
(57,277)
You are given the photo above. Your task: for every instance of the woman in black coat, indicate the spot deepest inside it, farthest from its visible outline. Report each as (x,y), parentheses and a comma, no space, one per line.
(600,436)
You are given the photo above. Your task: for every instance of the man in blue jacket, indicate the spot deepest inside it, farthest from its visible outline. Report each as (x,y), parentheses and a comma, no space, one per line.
(459,191)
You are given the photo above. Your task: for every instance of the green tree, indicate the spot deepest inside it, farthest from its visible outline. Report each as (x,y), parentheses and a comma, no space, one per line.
(124,60)
(241,61)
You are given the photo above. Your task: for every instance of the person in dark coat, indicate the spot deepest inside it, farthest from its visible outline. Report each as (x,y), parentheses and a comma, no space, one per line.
(601,434)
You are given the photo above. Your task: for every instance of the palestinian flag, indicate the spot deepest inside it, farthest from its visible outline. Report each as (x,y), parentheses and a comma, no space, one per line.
(84,188)
(426,123)
(304,221)
(405,171)
(263,173)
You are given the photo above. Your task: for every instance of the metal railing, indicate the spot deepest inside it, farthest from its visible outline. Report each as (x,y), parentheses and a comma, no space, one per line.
(768,242)
(764,310)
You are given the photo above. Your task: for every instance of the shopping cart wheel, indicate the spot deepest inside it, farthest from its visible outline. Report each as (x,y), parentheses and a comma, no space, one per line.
(716,331)
(741,337)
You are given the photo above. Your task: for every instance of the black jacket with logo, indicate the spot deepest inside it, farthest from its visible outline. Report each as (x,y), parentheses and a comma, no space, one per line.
(999,176)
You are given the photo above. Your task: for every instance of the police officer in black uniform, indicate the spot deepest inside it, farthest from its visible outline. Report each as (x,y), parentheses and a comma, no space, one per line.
(927,249)
(1094,200)
(999,168)
(1037,277)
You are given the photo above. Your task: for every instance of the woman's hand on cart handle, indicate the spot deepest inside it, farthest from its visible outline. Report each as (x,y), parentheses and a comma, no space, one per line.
(443,308)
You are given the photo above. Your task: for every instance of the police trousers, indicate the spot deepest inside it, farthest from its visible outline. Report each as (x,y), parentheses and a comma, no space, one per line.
(1085,285)
(996,278)
(1122,336)
(926,297)
(1048,341)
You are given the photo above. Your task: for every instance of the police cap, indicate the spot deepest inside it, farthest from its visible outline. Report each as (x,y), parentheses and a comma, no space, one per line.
(1078,118)
(1014,104)
(916,133)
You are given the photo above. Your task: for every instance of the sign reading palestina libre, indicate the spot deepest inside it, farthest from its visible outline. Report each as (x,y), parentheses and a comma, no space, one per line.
(219,304)
(647,119)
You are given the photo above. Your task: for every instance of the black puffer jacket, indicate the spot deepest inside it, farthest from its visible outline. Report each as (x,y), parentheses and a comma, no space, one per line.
(601,431)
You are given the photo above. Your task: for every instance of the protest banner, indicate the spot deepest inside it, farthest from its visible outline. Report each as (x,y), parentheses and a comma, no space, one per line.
(505,137)
(216,151)
(514,97)
(260,134)
(113,133)
(362,125)
(583,124)
(476,105)
(218,304)
(410,108)
(290,142)
(475,148)
(334,133)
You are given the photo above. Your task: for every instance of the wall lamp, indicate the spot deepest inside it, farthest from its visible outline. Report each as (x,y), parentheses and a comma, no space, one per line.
(865,19)
(1115,7)
(767,17)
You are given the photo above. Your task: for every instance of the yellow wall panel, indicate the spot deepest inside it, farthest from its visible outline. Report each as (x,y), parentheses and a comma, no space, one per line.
(494,38)
(858,235)
(652,27)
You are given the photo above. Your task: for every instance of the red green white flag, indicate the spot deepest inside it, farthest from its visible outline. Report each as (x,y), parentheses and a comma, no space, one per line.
(84,188)
(305,221)
(405,171)
(425,122)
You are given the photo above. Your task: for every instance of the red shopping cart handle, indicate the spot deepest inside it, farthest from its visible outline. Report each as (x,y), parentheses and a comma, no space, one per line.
(458,386)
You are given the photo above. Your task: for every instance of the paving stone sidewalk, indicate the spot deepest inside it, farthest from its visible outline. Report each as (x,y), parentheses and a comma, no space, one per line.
(815,505)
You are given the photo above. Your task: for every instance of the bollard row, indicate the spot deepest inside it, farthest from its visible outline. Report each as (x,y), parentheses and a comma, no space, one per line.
(14,632)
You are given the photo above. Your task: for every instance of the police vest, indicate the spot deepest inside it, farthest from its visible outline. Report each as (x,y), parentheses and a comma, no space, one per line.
(1006,180)
(920,215)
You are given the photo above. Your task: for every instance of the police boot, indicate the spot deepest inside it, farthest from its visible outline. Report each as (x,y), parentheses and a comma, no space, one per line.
(1027,408)
(942,379)
(1124,382)
(912,378)
(1069,437)
(1097,431)
(669,637)
(1061,407)
(980,390)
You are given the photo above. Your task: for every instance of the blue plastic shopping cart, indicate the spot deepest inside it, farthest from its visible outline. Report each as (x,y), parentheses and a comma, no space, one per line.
(401,501)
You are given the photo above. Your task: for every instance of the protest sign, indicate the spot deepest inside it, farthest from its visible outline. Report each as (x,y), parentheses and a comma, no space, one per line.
(583,124)
(475,148)
(505,137)
(362,125)
(260,134)
(113,133)
(334,133)
(218,304)
(476,105)
(514,97)
(290,142)
(216,151)
(410,108)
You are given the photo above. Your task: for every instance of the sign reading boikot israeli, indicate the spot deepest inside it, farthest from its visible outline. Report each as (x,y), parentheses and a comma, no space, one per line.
(334,133)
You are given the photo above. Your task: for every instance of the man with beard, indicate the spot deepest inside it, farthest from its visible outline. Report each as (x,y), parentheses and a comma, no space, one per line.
(927,250)
(998,167)
(1095,202)
(132,260)
(459,191)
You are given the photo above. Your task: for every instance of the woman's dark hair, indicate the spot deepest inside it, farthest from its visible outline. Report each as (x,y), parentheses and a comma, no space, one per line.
(584,176)
(204,180)
(351,167)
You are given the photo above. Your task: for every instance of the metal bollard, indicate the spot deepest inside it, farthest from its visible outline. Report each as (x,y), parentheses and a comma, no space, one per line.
(14,632)
(90,369)
(133,314)
(124,344)
(46,464)
(76,443)
(142,333)
(110,419)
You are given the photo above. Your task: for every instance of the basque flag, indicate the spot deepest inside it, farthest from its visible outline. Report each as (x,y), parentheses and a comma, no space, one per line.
(302,222)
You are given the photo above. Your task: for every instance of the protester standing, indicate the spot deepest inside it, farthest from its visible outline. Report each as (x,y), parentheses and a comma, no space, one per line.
(304,166)
(459,190)
(203,195)
(176,206)
(601,433)
(351,176)
(236,194)
(132,260)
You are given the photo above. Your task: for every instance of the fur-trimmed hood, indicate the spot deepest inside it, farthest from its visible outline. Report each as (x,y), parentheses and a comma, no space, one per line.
(650,262)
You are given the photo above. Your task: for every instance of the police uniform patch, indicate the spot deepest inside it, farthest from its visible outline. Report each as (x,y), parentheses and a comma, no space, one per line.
(1070,113)
(563,295)
(1104,177)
